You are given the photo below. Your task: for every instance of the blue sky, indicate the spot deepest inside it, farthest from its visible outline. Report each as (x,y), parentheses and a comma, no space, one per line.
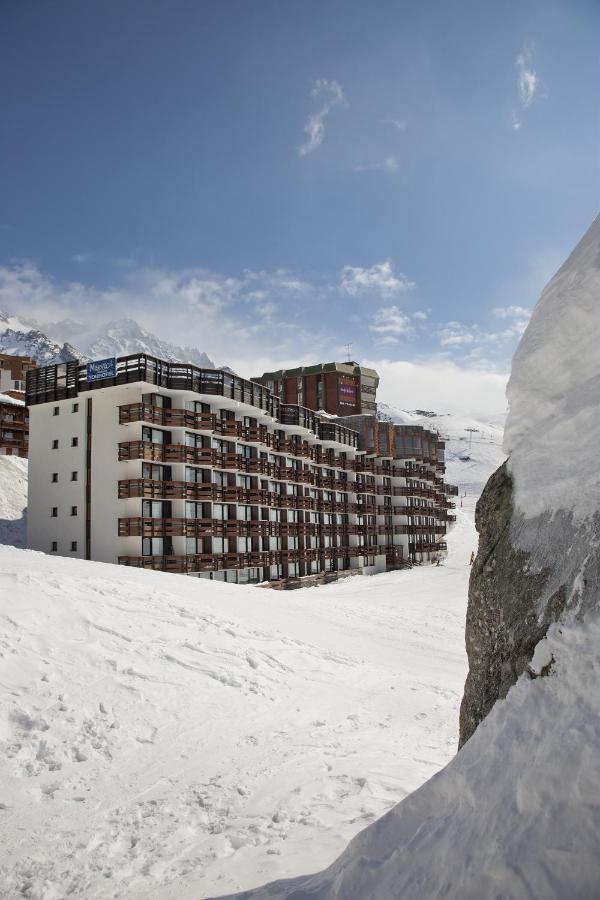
(272,180)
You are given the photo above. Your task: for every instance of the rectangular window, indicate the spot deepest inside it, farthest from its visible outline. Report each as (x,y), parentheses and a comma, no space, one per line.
(56,410)
(54,477)
(74,441)
(55,444)
(73,476)
(75,407)
(73,546)
(54,546)
(73,510)
(54,512)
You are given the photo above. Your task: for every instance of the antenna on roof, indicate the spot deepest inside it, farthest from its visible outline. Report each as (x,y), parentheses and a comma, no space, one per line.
(349,352)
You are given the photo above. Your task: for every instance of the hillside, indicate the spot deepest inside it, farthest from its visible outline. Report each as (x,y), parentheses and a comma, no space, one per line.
(473,447)
(164,737)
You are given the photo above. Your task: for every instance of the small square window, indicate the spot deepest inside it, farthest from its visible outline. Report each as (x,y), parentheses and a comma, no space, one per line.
(73,546)
(54,512)
(54,477)
(54,546)
(55,444)
(73,476)
(74,441)
(75,407)
(73,510)
(56,410)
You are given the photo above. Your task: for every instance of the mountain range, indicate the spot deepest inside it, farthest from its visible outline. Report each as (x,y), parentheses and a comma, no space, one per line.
(68,340)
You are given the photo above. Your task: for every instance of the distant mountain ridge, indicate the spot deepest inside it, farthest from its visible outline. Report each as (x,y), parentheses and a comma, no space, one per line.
(51,343)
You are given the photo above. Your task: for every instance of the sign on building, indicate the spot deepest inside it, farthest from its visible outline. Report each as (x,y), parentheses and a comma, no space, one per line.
(101,368)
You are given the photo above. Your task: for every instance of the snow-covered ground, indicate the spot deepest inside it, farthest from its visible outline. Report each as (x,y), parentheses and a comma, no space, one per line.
(169,738)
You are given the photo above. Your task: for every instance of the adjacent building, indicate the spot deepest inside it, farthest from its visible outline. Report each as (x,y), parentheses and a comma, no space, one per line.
(341,389)
(13,372)
(173,467)
(14,426)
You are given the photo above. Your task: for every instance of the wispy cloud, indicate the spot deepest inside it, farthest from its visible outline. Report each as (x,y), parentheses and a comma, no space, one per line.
(389,164)
(458,335)
(331,94)
(380,279)
(528,84)
(398,124)
(390,323)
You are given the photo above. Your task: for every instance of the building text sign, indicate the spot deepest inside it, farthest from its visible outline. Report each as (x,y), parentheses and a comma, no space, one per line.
(101,368)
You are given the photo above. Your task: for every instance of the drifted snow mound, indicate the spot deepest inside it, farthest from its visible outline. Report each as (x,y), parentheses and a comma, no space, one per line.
(13,501)
(517,813)
(553,427)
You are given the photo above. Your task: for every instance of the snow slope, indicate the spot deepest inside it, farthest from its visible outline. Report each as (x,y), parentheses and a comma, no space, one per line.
(13,501)
(163,737)
(473,447)
(516,814)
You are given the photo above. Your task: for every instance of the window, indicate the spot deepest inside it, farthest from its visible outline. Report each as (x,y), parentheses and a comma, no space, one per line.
(74,441)
(55,444)
(54,546)
(75,407)
(73,510)
(54,512)
(56,410)
(73,546)
(54,477)
(73,476)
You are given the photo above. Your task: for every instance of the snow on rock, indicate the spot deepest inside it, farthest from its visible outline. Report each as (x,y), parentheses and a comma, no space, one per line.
(164,737)
(553,427)
(13,500)
(473,447)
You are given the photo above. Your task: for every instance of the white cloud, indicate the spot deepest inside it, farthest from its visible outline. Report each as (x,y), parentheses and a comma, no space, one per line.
(389,164)
(420,315)
(528,84)
(441,385)
(511,312)
(332,95)
(391,322)
(379,279)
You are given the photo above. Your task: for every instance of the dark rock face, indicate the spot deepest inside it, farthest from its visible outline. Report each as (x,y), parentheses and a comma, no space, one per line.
(503,619)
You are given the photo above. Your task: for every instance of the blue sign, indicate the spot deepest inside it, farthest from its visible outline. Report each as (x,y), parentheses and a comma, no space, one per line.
(101,368)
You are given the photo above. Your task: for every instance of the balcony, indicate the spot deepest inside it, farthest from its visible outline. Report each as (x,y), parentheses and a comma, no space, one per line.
(140,526)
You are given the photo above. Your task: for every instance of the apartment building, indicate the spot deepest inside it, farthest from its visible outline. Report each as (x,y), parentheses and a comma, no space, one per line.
(341,389)
(414,500)
(13,372)
(168,466)
(14,426)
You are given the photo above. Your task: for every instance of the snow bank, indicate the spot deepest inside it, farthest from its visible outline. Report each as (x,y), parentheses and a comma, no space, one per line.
(163,737)
(13,501)
(553,427)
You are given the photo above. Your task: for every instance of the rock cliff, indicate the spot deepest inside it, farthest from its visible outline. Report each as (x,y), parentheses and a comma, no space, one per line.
(503,623)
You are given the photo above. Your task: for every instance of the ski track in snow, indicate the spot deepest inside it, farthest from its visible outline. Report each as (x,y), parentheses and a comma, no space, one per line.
(162,737)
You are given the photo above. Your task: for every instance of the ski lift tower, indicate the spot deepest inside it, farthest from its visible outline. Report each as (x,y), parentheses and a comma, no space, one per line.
(471,431)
